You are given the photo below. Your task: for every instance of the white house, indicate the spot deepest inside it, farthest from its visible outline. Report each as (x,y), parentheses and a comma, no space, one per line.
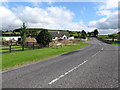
(71,38)
(11,38)
(59,35)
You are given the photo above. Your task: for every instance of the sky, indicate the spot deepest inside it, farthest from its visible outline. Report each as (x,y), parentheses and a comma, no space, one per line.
(74,16)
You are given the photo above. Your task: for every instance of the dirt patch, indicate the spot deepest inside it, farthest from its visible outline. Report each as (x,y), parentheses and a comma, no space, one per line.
(63,42)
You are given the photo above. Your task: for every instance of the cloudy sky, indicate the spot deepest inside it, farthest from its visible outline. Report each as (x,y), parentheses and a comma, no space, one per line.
(75,16)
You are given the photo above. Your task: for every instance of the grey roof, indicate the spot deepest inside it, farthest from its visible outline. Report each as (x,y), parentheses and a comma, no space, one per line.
(60,34)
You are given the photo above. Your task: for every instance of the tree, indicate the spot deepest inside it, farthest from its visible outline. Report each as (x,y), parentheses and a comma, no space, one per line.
(118,35)
(44,38)
(84,34)
(95,32)
(112,36)
(78,33)
(89,33)
(23,33)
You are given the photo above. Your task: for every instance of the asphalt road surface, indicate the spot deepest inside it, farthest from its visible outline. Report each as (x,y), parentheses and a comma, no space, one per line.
(95,66)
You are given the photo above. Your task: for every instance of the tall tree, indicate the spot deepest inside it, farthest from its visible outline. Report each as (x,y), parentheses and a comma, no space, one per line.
(83,34)
(44,38)
(23,33)
(95,32)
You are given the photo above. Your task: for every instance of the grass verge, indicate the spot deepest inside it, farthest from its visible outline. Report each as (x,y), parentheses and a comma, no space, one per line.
(15,59)
(116,44)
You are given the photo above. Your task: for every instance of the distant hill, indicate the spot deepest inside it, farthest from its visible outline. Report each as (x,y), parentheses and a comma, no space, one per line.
(30,31)
(39,29)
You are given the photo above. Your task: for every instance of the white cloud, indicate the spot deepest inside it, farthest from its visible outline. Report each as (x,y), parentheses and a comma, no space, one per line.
(106,13)
(106,23)
(110,20)
(109,4)
(9,19)
(50,17)
(107,31)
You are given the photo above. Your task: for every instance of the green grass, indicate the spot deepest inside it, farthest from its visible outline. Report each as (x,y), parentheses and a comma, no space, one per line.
(116,44)
(13,48)
(19,58)
(8,46)
(88,39)
(103,36)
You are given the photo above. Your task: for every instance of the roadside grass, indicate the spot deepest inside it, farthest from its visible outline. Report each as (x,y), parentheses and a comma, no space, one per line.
(8,46)
(88,39)
(5,48)
(116,44)
(103,36)
(16,59)
(12,48)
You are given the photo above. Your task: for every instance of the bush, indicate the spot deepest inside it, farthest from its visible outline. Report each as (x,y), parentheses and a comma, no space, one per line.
(44,38)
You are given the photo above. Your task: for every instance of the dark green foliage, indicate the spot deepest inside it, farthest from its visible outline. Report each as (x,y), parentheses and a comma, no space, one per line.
(84,34)
(112,36)
(44,38)
(23,33)
(89,33)
(118,35)
(95,32)
(78,33)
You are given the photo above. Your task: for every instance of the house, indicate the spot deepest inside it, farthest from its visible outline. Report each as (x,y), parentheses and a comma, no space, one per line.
(72,37)
(59,35)
(11,38)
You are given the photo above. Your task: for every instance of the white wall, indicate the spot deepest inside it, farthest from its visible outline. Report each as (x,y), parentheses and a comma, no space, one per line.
(64,37)
(10,38)
(71,37)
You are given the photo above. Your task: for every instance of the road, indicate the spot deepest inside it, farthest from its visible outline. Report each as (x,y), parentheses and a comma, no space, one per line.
(95,66)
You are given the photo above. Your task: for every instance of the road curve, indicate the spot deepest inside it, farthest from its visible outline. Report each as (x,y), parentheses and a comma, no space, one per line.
(95,66)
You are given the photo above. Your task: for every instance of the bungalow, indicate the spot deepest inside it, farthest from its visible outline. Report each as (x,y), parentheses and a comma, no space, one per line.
(59,35)
(11,38)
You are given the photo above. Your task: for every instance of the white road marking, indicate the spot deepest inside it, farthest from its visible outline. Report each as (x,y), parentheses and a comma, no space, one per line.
(54,80)
(95,54)
(102,49)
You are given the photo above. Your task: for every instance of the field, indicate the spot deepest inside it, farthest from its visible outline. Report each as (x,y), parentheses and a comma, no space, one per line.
(103,36)
(116,44)
(24,57)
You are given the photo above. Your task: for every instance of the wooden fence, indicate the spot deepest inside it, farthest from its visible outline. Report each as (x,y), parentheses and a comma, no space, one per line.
(19,47)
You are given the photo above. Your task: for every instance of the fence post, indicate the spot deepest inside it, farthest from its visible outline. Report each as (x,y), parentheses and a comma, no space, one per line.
(27,44)
(11,42)
(22,47)
(33,45)
(10,48)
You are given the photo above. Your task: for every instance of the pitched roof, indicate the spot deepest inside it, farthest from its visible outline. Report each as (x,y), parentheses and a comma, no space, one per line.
(30,40)
(59,34)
